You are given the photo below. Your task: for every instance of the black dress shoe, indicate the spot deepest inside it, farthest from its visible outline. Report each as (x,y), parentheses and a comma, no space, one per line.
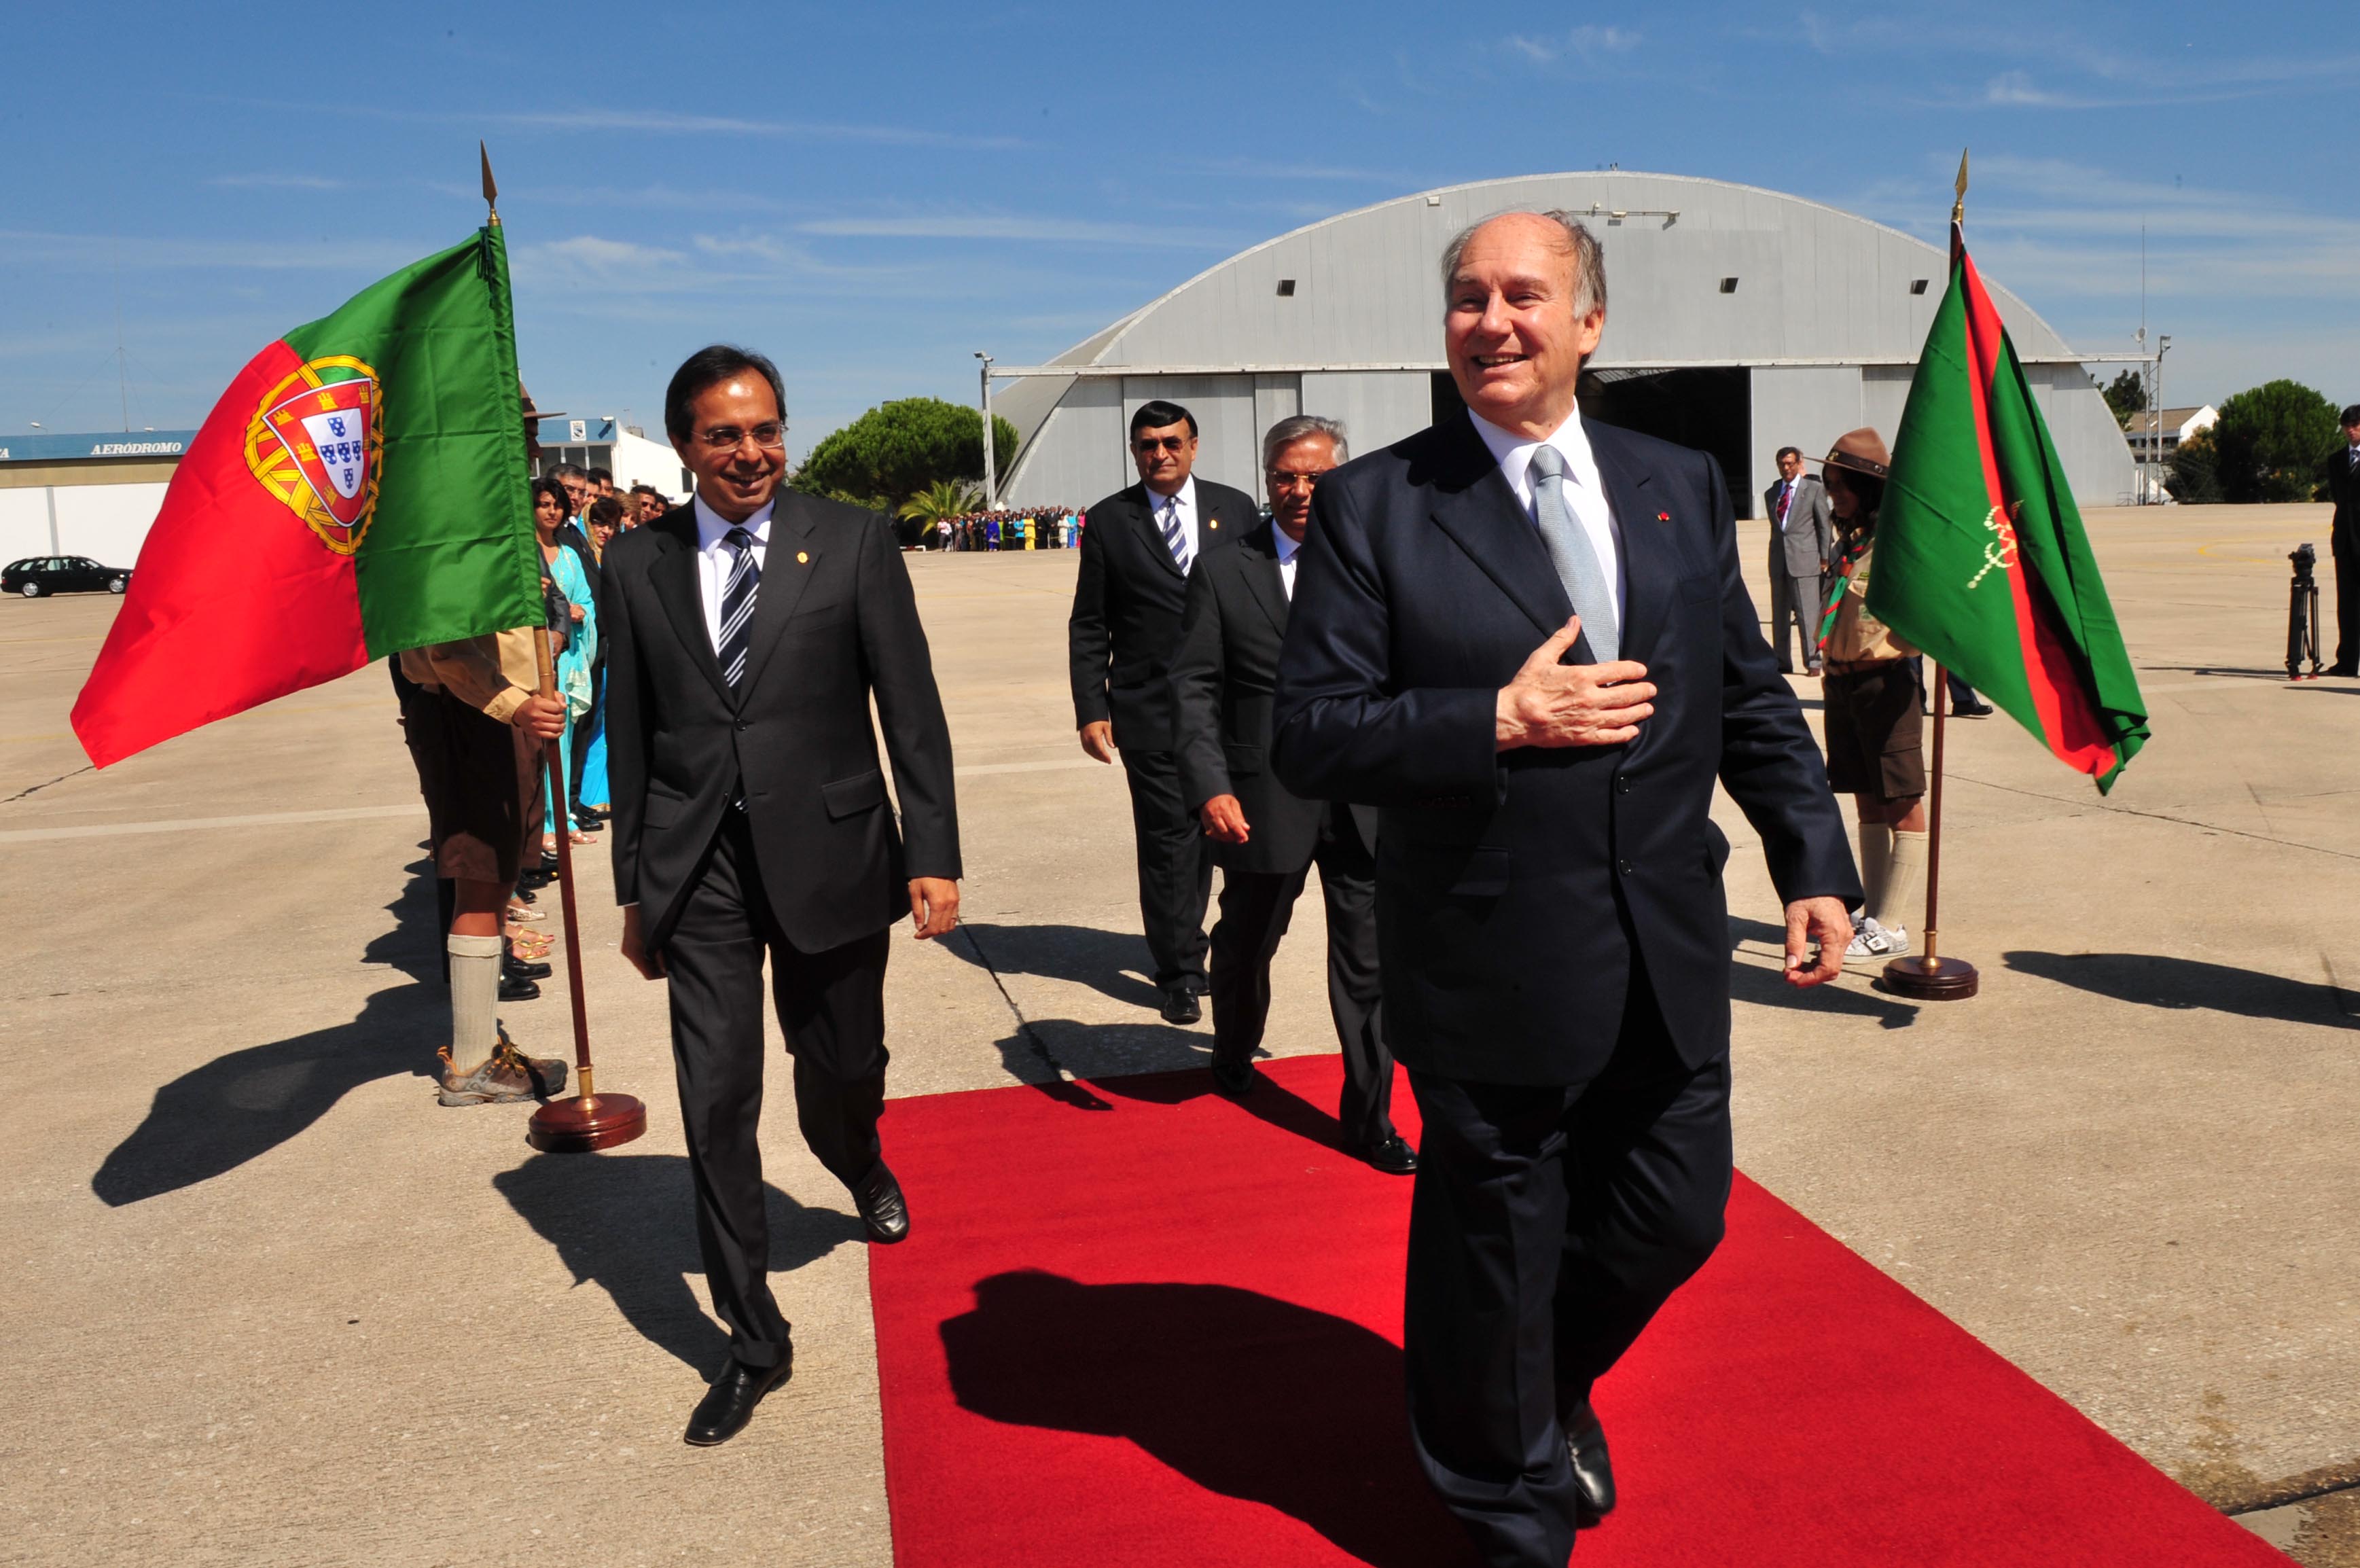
(1593,1473)
(1392,1155)
(882,1206)
(1972,711)
(515,990)
(1235,1079)
(1180,1004)
(2343,672)
(515,967)
(730,1404)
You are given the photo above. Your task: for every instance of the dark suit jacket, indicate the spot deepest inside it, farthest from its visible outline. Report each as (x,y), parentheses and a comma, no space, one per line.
(834,621)
(2343,490)
(1511,886)
(1810,540)
(1221,683)
(1127,596)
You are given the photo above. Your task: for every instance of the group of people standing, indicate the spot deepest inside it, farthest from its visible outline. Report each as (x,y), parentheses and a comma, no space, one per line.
(1037,528)
(1484,680)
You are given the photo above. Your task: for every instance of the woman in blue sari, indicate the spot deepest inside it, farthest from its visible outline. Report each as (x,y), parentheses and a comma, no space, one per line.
(564,569)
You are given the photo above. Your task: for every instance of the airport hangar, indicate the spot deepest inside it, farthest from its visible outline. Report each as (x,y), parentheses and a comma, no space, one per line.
(1738,320)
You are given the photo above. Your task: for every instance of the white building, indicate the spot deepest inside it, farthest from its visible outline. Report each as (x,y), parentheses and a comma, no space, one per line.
(2178,425)
(622,450)
(85,495)
(1739,321)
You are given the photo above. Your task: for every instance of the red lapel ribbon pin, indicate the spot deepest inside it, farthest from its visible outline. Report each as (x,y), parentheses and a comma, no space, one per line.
(1663,517)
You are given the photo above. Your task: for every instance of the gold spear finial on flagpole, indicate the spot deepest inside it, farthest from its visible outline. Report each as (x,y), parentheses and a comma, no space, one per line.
(1957,208)
(492,188)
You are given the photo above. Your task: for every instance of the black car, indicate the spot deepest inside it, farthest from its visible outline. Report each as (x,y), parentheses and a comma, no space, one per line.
(38,575)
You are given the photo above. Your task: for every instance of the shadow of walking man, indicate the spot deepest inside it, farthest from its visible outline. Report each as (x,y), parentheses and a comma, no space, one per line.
(243,1105)
(1243,1394)
(628,1222)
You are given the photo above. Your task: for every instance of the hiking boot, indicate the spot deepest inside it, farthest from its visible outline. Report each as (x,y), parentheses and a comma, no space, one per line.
(510,1076)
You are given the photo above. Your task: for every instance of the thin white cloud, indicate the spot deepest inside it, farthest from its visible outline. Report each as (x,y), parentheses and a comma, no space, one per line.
(281,183)
(1015,226)
(1587,43)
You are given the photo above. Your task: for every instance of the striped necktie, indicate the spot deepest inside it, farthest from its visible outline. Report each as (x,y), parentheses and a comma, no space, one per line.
(1572,554)
(737,606)
(1175,538)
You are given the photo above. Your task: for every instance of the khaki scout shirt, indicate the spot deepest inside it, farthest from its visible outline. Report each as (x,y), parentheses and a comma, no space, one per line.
(493,674)
(1858,637)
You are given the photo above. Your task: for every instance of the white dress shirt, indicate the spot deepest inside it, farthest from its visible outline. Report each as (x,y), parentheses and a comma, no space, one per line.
(715,557)
(1186,501)
(1286,551)
(1585,494)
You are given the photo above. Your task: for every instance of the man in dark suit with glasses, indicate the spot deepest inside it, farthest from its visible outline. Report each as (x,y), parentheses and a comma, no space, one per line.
(750,630)
(1127,596)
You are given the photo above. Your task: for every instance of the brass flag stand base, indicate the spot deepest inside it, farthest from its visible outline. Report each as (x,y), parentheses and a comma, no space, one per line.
(1929,977)
(587,1120)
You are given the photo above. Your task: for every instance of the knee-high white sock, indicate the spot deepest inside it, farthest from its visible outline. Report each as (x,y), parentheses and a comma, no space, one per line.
(1899,908)
(474,999)
(1875,862)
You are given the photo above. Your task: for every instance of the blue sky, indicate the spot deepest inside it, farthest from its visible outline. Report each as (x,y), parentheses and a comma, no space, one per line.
(869,193)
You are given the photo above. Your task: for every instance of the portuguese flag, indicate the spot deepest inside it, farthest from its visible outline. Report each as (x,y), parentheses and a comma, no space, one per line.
(1981,558)
(359,490)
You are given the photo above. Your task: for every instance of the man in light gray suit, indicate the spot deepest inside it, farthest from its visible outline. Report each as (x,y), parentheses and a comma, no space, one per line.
(1802,541)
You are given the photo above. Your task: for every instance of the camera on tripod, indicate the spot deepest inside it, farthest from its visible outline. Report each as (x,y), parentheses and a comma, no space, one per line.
(2302,615)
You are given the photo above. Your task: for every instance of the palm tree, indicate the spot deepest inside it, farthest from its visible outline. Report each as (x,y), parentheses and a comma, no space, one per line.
(944,498)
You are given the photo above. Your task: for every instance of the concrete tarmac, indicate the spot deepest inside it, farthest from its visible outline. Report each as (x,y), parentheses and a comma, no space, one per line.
(269,1304)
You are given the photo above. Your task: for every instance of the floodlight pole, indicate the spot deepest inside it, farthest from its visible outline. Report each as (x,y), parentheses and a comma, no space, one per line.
(2162,472)
(990,464)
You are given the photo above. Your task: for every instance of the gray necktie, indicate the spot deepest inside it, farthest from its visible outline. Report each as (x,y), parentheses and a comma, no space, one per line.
(1570,552)
(1175,538)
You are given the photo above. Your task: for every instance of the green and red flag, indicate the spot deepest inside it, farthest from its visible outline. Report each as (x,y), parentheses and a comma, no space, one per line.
(1981,558)
(358,491)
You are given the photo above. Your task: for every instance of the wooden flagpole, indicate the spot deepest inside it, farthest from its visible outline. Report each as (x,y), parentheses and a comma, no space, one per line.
(1926,976)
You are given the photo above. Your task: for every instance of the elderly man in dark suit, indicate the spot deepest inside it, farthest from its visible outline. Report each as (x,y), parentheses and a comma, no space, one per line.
(1264,840)
(750,630)
(1525,637)
(2343,544)
(1127,594)
(1802,542)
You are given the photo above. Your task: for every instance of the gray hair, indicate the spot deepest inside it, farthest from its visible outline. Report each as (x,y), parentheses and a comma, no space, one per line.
(1302,427)
(1589,260)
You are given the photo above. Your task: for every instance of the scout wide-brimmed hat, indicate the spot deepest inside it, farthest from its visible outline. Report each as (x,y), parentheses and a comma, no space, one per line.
(1862,451)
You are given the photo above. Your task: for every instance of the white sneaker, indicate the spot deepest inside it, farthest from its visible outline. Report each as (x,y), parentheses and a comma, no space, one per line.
(1871,940)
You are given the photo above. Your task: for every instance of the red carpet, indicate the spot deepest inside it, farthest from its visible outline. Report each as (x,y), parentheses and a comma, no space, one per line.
(1138,1324)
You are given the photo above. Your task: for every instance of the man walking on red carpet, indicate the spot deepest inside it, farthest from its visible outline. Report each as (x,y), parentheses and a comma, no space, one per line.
(1524,637)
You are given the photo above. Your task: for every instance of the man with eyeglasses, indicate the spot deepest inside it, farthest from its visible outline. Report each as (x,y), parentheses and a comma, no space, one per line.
(750,630)
(1265,838)
(1128,592)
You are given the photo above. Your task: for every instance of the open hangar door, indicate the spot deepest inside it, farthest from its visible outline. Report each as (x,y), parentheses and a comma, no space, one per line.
(1709,409)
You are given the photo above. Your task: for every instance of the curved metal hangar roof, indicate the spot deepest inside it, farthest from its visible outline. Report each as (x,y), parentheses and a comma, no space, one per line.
(1738,320)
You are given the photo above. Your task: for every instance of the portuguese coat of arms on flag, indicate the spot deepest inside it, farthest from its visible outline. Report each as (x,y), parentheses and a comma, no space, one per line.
(358,491)
(1981,560)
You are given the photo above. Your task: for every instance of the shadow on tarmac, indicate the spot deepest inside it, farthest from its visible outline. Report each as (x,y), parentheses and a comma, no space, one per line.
(628,1224)
(2154,981)
(1768,987)
(1079,953)
(1245,1395)
(237,1107)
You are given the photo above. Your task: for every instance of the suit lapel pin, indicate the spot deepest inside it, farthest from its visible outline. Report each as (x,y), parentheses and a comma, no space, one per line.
(1212,522)
(802,557)
(1663,517)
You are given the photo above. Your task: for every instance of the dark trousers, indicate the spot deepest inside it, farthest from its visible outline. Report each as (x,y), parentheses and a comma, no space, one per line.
(832,1009)
(1256,908)
(2345,554)
(1794,599)
(1175,869)
(1547,1226)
